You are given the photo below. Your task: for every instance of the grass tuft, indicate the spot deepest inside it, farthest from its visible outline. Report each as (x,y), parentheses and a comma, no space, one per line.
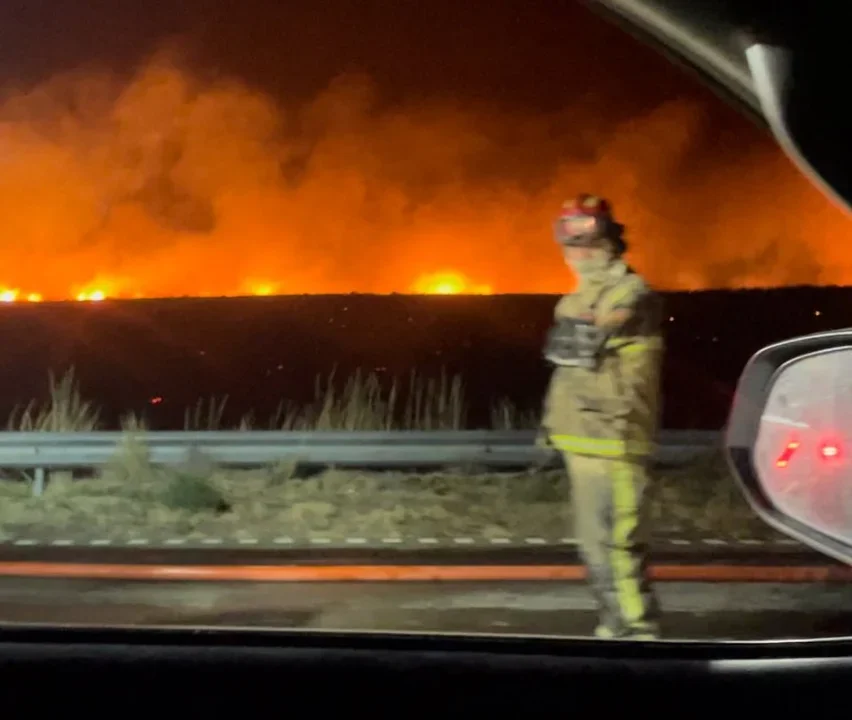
(193,494)
(66,410)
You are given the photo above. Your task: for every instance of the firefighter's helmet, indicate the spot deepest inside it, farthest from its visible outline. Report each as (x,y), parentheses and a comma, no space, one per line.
(587,221)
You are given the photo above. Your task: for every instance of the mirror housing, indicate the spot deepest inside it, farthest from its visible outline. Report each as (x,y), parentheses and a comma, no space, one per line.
(790,419)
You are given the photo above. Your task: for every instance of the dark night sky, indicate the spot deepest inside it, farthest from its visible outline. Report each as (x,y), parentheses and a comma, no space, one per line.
(537,53)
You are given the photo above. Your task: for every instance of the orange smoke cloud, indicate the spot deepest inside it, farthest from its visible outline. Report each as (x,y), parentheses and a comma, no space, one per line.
(170,184)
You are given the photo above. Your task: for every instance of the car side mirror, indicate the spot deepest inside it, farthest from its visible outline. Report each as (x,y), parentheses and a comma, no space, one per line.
(789,439)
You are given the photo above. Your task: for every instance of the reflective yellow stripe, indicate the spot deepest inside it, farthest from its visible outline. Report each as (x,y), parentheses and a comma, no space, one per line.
(601,447)
(632,344)
(603,632)
(631,349)
(625,570)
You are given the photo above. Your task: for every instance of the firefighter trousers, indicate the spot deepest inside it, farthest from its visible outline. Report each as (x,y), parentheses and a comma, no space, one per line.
(610,522)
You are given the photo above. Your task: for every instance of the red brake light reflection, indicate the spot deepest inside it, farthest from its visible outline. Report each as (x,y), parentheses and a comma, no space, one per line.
(785,456)
(830,451)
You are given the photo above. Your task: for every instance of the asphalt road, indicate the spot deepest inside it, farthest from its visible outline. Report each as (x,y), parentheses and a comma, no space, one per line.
(742,611)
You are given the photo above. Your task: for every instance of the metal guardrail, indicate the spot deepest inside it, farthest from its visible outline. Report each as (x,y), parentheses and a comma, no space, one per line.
(43,452)
(344,449)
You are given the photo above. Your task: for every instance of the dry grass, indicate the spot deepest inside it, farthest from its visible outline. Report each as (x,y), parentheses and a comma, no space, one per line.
(365,403)
(65,411)
(362,402)
(131,497)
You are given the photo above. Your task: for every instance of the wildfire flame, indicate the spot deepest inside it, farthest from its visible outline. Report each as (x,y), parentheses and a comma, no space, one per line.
(448,283)
(11,296)
(263,289)
(440,283)
(91,296)
(167,185)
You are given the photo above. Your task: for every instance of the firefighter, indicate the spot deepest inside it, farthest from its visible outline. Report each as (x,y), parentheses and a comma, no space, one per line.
(601,411)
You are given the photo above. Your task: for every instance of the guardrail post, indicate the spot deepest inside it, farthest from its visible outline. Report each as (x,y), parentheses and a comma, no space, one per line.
(38,482)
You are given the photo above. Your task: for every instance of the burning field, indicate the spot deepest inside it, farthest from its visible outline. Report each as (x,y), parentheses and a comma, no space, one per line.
(171,182)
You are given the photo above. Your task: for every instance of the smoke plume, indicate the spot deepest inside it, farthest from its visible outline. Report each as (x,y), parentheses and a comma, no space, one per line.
(171,183)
